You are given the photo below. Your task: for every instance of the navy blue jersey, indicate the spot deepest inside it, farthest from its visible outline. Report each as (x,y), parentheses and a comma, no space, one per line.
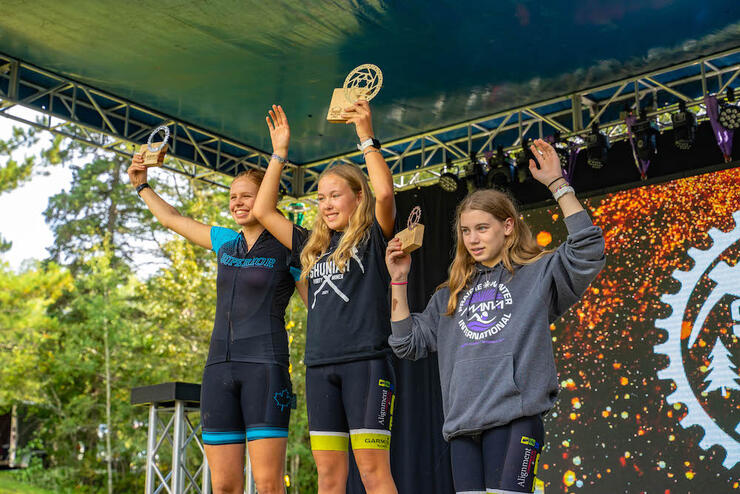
(253,290)
(348,311)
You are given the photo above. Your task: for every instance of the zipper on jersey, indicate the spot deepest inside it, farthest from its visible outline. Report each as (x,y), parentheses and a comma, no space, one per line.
(230,338)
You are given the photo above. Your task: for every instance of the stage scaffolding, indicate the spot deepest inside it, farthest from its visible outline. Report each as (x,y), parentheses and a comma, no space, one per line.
(100,119)
(175,457)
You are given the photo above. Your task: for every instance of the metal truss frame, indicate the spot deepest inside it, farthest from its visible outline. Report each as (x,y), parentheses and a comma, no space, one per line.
(419,159)
(180,433)
(99,119)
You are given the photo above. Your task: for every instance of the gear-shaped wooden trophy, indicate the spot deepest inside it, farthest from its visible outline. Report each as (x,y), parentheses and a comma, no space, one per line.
(363,82)
(153,153)
(413,236)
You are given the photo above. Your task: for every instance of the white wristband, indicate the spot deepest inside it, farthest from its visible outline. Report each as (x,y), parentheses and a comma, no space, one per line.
(562,191)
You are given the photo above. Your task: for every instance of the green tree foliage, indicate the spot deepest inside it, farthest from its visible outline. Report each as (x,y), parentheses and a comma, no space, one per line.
(80,329)
(12,172)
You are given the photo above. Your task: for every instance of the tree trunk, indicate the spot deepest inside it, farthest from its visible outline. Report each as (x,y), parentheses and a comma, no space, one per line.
(109,425)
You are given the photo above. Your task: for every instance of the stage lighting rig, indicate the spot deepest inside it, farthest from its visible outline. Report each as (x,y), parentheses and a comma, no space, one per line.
(478,175)
(448,181)
(597,148)
(645,134)
(729,113)
(684,127)
(500,169)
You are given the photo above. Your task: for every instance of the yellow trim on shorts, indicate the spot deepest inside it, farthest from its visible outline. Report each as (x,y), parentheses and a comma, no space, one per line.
(329,441)
(370,439)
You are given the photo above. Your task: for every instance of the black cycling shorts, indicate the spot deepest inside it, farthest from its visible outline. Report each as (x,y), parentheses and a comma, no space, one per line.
(351,400)
(244,400)
(499,460)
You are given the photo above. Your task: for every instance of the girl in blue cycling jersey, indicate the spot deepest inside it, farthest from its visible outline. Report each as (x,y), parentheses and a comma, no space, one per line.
(349,377)
(246,393)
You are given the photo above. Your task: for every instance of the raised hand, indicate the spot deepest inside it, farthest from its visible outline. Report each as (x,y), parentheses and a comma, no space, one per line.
(398,262)
(550,168)
(277,122)
(360,115)
(137,171)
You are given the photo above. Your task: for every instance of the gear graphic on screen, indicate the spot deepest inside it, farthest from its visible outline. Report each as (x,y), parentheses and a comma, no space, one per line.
(725,279)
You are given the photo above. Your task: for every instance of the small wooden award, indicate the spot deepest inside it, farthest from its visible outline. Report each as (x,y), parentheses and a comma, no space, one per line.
(413,236)
(154,153)
(363,82)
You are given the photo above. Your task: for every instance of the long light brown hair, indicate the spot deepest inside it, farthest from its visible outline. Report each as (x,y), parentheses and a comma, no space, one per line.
(357,230)
(519,247)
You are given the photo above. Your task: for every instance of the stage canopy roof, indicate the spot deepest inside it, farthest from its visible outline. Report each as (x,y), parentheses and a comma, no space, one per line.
(453,71)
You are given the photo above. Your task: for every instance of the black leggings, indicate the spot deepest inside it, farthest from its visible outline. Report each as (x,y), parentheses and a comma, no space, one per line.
(500,459)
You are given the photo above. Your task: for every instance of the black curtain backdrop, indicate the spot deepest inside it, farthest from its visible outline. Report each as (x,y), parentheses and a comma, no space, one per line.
(420,458)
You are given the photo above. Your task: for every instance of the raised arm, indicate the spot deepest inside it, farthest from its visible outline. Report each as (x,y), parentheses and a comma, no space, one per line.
(413,336)
(265,205)
(195,231)
(577,262)
(381,178)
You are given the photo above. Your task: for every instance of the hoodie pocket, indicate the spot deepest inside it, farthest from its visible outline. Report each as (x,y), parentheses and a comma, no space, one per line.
(483,394)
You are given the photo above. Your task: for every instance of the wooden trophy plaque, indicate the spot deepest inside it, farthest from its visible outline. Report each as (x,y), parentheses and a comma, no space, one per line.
(363,82)
(154,152)
(413,236)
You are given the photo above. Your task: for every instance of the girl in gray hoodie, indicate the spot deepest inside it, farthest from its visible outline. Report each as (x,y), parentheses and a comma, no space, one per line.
(489,324)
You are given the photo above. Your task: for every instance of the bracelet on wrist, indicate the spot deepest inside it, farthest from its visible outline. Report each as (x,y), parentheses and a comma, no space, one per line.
(141,187)
(559,178)
(282,160)
(561,191)
(399,282)
(371,151)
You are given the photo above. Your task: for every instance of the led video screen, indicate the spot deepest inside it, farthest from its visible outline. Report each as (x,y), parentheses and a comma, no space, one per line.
(648,360)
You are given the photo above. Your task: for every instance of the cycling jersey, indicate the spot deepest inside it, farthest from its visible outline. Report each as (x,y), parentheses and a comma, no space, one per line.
(253,289)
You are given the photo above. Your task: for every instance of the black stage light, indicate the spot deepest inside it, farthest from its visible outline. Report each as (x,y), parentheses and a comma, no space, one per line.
(448,181)
(684,127)
(597,148)
(729,113)
(478,173)
(500,172)
(644,137)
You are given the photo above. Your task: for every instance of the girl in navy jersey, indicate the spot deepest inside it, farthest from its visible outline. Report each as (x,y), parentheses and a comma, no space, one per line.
(490,326)
(349,376)
(246,392)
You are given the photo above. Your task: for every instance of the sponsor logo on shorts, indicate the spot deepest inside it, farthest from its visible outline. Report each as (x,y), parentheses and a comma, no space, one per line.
(528,463)
(384,441)
(384,384)
(384,406)
(283,399)
(530,442)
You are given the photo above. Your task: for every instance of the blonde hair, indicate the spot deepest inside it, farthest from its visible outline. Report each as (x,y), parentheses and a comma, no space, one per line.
(358,227)
(254,175)
(519,247)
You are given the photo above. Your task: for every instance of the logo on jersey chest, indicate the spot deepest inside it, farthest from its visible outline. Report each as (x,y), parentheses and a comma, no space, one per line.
(484,310)
(325,273)
(257,262)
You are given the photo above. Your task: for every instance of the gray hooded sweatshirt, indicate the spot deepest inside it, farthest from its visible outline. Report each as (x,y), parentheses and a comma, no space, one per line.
(495,354)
